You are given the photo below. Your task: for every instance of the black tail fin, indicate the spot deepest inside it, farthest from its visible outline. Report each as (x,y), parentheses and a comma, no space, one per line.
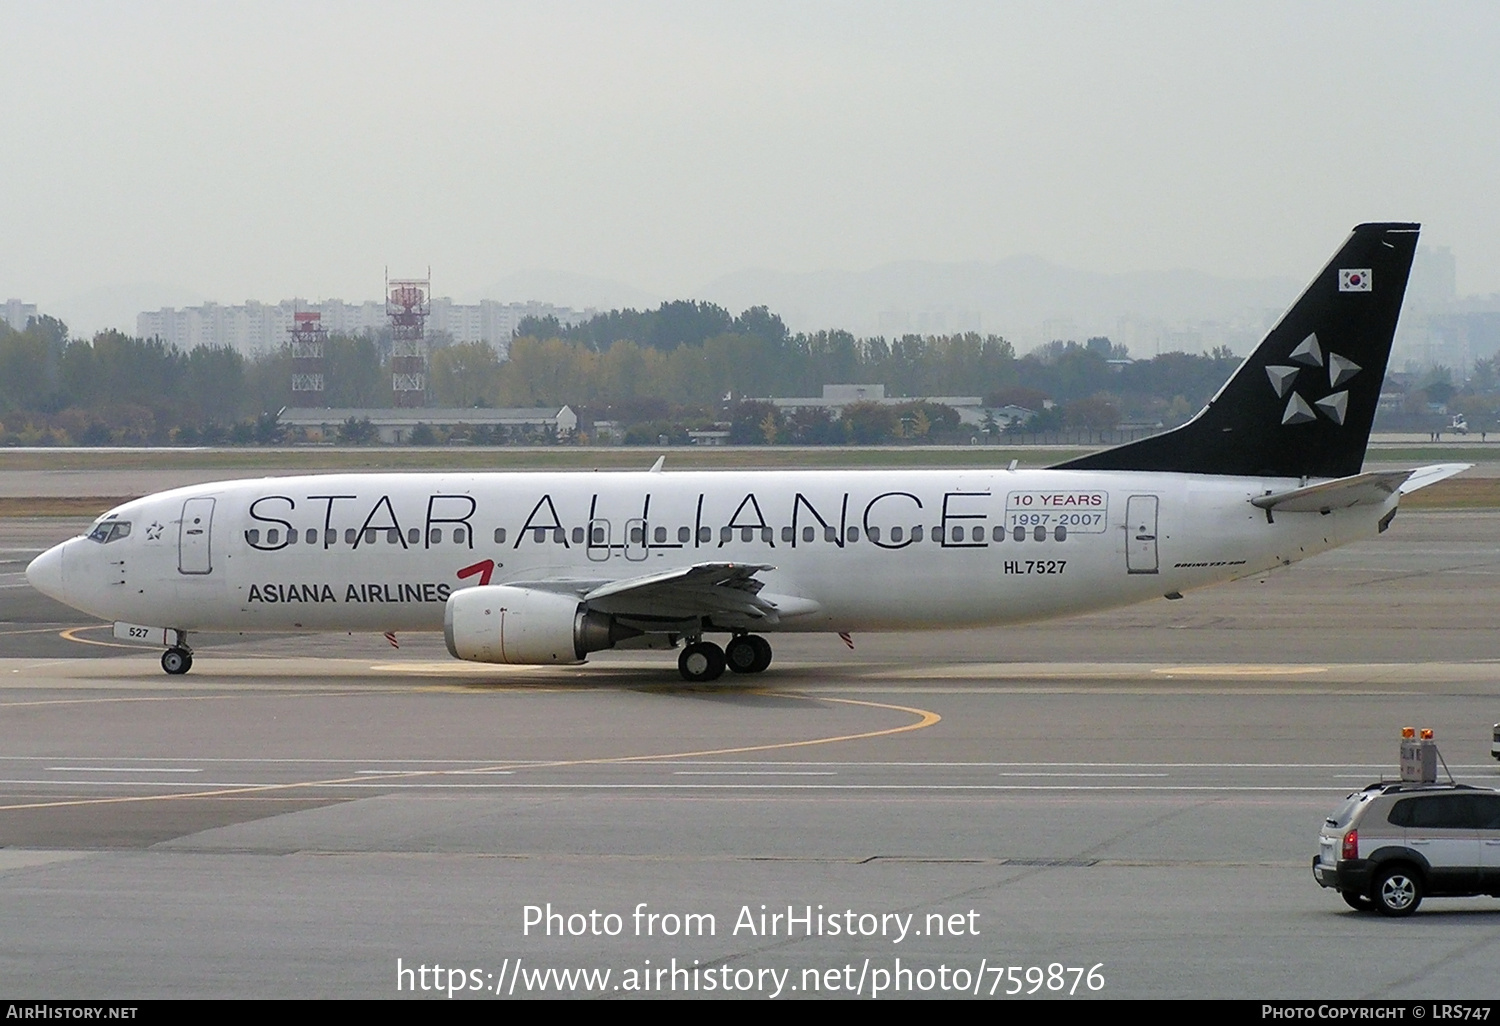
(1302,403)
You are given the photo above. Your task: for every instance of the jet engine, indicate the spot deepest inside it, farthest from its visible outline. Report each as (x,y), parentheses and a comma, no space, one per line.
(501,624)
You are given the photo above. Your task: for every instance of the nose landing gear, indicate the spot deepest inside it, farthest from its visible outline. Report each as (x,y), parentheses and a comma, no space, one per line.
(177,660)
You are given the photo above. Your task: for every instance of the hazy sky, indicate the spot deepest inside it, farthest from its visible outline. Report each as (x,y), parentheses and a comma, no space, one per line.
(264,150)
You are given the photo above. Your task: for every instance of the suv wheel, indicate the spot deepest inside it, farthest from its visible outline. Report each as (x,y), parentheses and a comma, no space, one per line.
(1358,902)
(1397,891)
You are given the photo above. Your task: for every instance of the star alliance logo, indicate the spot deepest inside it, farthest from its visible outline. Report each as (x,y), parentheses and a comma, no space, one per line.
(1283,379)
(153,532)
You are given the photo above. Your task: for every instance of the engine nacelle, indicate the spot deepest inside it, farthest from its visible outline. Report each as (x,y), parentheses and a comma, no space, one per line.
(500,624)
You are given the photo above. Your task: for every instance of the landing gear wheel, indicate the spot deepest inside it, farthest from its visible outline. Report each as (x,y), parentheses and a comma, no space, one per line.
(177,661)
(1397,891)
(762,653)
(1358,902)
(748,653)
(701,661)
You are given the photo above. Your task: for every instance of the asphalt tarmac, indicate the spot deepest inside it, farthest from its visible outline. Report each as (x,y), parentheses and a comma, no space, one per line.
(1133,795)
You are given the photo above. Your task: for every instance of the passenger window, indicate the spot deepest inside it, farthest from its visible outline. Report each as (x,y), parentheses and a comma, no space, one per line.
(897,534)
(958,534)
(1019,534)
(577,536)
(747,534)
(808,534)
(273,535)
(558,538)
(291,537)
(252,536)
(1487,808)
(661,535)
(684,534)
(1448,812)
(393,536)
(1040,534)
(312,536)
(369,536)
(539,534)
(725,534)
(998,534)
(499,536)
(976,534)
(873,533)
(787,534)
(637,535)
(917,533)
(705,535)
(1060,533)
(767,535)
(330,537)
(598,536)
(830,534)
(435,536)
(458,535)
(413,535)
(852,534)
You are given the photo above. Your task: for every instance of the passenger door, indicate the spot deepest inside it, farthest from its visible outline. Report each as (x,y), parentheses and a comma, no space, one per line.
(1140,534)
(1441,828)
(1487,808)
(195,537)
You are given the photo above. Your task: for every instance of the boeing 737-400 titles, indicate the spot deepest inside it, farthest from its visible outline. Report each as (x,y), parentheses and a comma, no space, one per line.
(539,568)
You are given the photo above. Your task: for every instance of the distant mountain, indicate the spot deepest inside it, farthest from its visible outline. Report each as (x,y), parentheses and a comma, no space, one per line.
(563,288)
(1018,297)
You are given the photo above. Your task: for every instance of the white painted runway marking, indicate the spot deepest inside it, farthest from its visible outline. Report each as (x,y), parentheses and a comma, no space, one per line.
(755,773)
(118,769)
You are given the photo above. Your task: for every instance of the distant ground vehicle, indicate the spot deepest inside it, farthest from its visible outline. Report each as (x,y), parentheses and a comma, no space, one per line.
(1495,743)
(1393,844)
(1459,424)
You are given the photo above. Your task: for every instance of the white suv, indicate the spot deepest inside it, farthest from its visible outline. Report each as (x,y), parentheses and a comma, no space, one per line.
(1392,844)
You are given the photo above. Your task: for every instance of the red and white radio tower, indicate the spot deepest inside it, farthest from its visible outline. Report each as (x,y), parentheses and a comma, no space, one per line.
(308,337)
(407,304)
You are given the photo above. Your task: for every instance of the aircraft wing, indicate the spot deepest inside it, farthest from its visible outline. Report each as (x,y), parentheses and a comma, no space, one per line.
(729,592)
(1360,490)
(703,589)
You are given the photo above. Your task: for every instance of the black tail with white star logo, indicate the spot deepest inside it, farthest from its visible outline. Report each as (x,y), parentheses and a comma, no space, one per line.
(1302,404)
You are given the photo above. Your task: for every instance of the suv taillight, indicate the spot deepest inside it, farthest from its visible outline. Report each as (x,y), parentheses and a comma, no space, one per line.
(1351,845)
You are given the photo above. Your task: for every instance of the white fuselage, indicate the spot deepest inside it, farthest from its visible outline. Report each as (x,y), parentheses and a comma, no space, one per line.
(850,550)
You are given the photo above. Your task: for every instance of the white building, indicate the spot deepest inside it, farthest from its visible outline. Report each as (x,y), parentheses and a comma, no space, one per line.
(16,313)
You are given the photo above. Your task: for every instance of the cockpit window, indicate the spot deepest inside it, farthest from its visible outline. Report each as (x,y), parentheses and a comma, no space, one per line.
(109,530)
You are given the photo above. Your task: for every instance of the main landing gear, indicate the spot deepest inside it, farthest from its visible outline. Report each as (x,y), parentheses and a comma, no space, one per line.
(177,660)
(704,661)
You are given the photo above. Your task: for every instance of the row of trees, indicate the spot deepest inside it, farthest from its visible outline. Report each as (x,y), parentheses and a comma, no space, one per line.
(680,367)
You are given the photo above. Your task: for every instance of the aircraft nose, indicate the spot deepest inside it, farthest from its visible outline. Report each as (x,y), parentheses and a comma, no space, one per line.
(46,573)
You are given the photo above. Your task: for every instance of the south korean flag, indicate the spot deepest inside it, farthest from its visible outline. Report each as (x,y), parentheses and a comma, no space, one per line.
(1354,279)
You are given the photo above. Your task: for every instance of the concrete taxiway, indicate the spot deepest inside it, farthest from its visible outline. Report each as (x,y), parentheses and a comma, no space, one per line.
(1138,791)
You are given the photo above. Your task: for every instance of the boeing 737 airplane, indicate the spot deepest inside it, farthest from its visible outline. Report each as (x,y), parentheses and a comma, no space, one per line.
(538,568)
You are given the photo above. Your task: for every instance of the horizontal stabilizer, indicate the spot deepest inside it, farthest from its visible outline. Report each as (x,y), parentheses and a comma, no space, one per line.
(1424,476)
(1360,490)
